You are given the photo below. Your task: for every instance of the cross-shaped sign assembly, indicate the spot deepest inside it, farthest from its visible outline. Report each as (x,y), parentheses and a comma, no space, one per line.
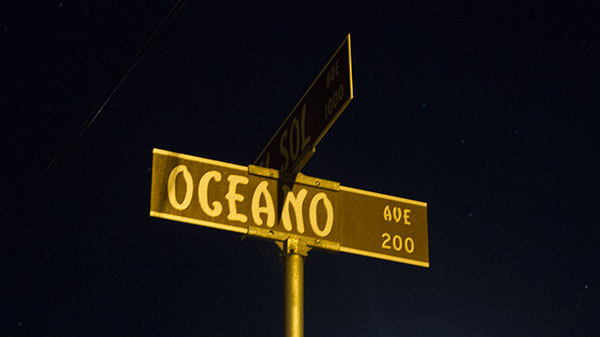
(272,200)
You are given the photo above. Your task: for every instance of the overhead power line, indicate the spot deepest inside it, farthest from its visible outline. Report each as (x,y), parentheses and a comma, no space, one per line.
(91,117)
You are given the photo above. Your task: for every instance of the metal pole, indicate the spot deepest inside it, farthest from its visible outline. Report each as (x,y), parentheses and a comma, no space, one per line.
(294,252)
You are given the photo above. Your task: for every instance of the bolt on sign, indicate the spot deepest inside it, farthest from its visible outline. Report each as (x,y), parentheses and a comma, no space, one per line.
(265,203)
(328,95)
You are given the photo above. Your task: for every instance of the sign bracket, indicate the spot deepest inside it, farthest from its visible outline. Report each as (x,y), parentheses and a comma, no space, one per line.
(281,237)
(297,178)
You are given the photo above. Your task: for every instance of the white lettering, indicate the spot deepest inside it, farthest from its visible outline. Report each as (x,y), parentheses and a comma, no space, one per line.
(412,245)
(397,242)
(333,101)
(189,187)
(333,72)
(294,136)
(305,140)
(386,239)
(232,197)
(290,149)
(409,243)
(387,213)
(262,203)
(283,150)
(296,202)
(203,194)
(397,214)
(312,214)
(262,192)
(406,216)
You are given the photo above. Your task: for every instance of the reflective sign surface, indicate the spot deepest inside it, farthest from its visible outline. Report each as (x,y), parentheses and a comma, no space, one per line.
(226,196)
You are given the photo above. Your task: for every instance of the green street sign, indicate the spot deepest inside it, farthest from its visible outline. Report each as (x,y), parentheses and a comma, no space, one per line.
(293,144)
(266,203)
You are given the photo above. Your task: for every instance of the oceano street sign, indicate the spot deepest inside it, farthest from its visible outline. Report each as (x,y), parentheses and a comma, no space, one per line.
(272,200)
(264,203)
(294,142)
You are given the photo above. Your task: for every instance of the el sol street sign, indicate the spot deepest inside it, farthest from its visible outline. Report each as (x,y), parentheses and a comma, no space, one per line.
(294,142)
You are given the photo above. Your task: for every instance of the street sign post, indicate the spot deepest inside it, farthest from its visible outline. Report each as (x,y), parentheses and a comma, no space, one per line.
(265,203)
(294,142)
(272,200)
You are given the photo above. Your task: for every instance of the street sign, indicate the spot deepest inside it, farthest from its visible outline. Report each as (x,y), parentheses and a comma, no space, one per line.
(328,95)
(265,203)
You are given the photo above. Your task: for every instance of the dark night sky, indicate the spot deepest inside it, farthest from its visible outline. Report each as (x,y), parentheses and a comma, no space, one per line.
(489,113)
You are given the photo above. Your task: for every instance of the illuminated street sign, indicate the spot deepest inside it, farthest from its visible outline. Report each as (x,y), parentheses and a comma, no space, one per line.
(328,95)
(259,202)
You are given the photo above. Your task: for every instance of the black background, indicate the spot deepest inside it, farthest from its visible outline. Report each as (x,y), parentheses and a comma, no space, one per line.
(488,112)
